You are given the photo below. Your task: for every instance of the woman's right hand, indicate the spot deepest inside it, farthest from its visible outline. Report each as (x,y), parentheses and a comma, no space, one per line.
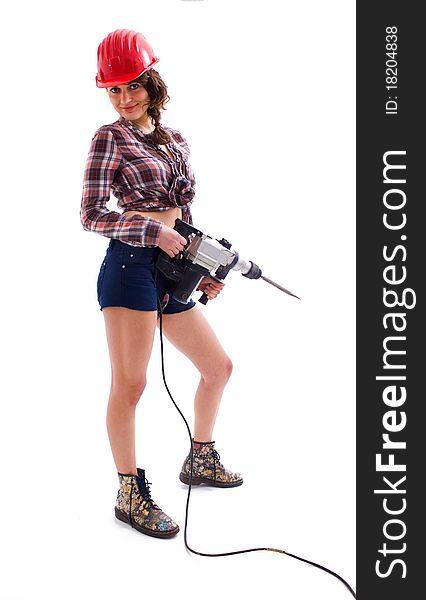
(171,241)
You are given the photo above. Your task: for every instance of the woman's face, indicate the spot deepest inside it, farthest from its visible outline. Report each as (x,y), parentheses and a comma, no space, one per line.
(130,100)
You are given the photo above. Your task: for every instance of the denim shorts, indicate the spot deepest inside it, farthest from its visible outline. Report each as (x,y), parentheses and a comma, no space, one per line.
(127,278)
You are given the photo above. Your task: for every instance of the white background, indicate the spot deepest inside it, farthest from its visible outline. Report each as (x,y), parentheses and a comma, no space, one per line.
(264,92)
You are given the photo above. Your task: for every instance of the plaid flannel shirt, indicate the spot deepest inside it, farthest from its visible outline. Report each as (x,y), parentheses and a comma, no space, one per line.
(126,161)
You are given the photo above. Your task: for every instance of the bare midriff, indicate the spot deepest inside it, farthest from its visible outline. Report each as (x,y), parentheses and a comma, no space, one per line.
(166,216)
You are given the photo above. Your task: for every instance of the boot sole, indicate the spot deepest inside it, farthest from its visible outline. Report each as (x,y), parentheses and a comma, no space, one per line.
(160,534)
(198,480)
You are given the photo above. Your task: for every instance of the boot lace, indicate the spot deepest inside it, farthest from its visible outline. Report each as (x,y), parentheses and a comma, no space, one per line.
(145,495)
(216,460)
(216,457)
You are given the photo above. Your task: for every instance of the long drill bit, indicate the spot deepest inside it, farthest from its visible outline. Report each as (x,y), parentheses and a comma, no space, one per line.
(279,286)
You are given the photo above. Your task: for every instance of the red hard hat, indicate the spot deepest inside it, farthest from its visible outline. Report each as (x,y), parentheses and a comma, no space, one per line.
(123,56)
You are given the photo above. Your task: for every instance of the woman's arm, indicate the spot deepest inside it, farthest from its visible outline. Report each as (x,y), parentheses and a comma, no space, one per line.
(103,162)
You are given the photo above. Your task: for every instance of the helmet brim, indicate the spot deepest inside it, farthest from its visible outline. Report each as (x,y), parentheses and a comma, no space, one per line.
(124,78)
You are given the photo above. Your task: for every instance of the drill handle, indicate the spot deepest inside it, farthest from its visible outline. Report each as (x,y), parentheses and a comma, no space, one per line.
(203,298)
(185,229)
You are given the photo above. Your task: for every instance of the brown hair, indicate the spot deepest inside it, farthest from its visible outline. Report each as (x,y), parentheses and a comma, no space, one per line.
(157,91)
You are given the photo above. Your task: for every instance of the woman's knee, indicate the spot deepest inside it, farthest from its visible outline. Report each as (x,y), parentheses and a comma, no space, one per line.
(128,389)
(218,371)
(228,367)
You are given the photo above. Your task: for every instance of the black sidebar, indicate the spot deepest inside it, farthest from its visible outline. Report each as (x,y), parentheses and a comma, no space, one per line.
(391,357)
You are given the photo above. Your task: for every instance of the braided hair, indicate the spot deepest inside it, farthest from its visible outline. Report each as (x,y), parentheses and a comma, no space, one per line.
(157,91)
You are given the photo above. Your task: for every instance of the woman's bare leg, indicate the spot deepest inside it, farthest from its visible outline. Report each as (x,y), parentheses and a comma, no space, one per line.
(191,333)
(130,336)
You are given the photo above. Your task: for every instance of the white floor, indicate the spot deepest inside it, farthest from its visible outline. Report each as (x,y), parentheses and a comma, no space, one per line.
(290,437)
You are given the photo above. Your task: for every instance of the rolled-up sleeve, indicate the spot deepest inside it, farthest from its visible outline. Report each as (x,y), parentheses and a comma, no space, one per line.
(103,162)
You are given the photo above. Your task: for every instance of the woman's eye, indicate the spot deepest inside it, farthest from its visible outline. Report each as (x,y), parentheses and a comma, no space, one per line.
(114,90)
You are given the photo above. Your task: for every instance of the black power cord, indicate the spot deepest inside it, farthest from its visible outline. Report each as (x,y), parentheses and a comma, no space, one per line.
(309,562)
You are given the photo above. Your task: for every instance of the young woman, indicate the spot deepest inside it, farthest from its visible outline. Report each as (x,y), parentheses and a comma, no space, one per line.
(145,165)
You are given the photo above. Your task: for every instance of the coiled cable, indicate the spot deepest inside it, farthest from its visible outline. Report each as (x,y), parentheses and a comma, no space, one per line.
(314,564)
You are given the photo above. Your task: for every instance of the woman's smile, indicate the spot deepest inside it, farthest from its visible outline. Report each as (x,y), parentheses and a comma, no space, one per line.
(134,93)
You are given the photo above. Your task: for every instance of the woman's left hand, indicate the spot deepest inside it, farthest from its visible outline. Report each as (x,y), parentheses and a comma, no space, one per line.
(210,287)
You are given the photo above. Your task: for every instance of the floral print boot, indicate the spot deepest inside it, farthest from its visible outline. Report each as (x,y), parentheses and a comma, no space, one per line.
(207,469)
(136,507)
